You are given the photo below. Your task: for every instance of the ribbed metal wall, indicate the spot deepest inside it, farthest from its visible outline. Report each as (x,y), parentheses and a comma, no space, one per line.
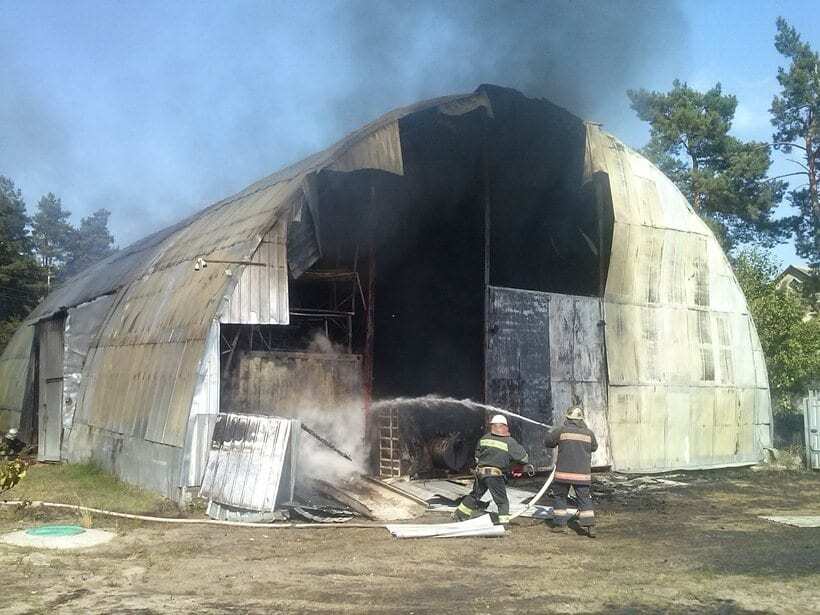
(687,380)
(261,293)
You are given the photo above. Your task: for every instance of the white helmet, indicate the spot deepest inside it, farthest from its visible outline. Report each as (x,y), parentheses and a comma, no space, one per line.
(498,419)
(11,434)
(575,413)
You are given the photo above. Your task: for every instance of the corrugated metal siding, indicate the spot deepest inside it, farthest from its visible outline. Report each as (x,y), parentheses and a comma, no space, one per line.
(14,366)
(687,380)
(252,461)
(261,293)
(140,377)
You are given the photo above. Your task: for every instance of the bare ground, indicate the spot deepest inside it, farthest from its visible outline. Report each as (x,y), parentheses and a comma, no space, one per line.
(698,549)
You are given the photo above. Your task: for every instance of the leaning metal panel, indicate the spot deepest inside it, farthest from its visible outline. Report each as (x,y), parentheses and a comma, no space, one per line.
(252,463)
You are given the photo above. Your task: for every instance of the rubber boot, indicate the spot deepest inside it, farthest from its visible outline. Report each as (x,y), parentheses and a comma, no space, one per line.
(557,528)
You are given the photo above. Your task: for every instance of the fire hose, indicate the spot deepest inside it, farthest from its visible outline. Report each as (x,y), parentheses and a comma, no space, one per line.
(538,495)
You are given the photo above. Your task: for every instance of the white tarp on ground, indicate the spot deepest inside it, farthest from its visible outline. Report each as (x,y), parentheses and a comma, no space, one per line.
(480,526)
(442,495)
(796,520)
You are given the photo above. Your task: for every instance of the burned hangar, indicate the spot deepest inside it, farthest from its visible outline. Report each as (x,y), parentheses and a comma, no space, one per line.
(487,246)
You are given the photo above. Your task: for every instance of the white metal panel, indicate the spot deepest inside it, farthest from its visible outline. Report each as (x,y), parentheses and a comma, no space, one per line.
(204,408)
(812,421)
(50,418)
(577,367)
(260,296)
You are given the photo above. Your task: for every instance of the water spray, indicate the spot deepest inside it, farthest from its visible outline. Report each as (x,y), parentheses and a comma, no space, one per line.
(429,400)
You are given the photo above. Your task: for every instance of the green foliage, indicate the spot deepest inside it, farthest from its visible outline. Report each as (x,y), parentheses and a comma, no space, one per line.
(52,232)
(796,119)
(12,468)
(22,280)
(90,243)
(724,178)
(790,345)
(89,484)
(11,473)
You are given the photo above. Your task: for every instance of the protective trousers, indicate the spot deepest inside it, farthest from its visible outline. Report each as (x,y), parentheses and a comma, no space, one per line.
(583,493)
(471,502)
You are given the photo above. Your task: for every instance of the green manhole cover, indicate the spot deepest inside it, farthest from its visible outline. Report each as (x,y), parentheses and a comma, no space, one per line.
(55,530)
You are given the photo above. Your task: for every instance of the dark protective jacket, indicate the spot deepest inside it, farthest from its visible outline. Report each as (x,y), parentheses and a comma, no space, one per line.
(499,452)
(576,443)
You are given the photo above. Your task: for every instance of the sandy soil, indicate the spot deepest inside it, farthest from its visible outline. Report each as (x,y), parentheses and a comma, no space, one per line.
(698,549)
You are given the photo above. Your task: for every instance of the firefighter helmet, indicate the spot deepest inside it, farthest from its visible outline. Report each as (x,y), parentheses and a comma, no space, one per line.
(575,413)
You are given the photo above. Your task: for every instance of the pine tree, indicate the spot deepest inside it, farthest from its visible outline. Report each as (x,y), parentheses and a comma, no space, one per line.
(796,119)
(22,280)
(90,243)
(723,177)
(52,234)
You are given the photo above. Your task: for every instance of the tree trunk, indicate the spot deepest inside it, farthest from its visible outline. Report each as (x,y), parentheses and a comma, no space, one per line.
(696,201)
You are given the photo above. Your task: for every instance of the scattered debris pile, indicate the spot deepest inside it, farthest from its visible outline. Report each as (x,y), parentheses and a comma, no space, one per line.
(622,488)
(443,495)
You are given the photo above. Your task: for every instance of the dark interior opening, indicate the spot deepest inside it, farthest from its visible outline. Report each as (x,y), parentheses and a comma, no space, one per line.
(544,233)
(512,178)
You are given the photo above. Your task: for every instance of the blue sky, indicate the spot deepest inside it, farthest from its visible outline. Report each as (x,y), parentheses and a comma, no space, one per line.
(155,109)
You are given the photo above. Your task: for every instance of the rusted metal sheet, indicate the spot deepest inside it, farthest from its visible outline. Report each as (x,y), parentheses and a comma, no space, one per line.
(687,380)
(261,294)
(252,463)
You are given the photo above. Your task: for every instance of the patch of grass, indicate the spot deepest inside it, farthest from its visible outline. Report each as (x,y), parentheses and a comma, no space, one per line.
(89,485)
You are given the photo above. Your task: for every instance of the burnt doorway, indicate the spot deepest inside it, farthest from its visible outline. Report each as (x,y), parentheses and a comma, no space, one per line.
(50,334)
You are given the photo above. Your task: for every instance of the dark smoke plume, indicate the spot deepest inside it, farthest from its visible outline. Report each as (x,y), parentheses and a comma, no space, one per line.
(579,54)
(155,109)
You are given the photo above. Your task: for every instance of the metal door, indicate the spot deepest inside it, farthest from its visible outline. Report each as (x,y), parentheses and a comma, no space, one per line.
(811,416)
(545,351)
(50,416)
(517,363)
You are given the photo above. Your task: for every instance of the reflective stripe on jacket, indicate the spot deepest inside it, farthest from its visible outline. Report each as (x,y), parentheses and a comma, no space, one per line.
(576,443)
(499,451)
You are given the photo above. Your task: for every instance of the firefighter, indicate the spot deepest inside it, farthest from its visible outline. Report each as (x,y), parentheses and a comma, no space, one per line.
(10,445)
(575,443)
(493,455)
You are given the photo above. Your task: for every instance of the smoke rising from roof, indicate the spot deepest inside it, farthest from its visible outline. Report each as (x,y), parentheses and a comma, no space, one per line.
(154,110)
